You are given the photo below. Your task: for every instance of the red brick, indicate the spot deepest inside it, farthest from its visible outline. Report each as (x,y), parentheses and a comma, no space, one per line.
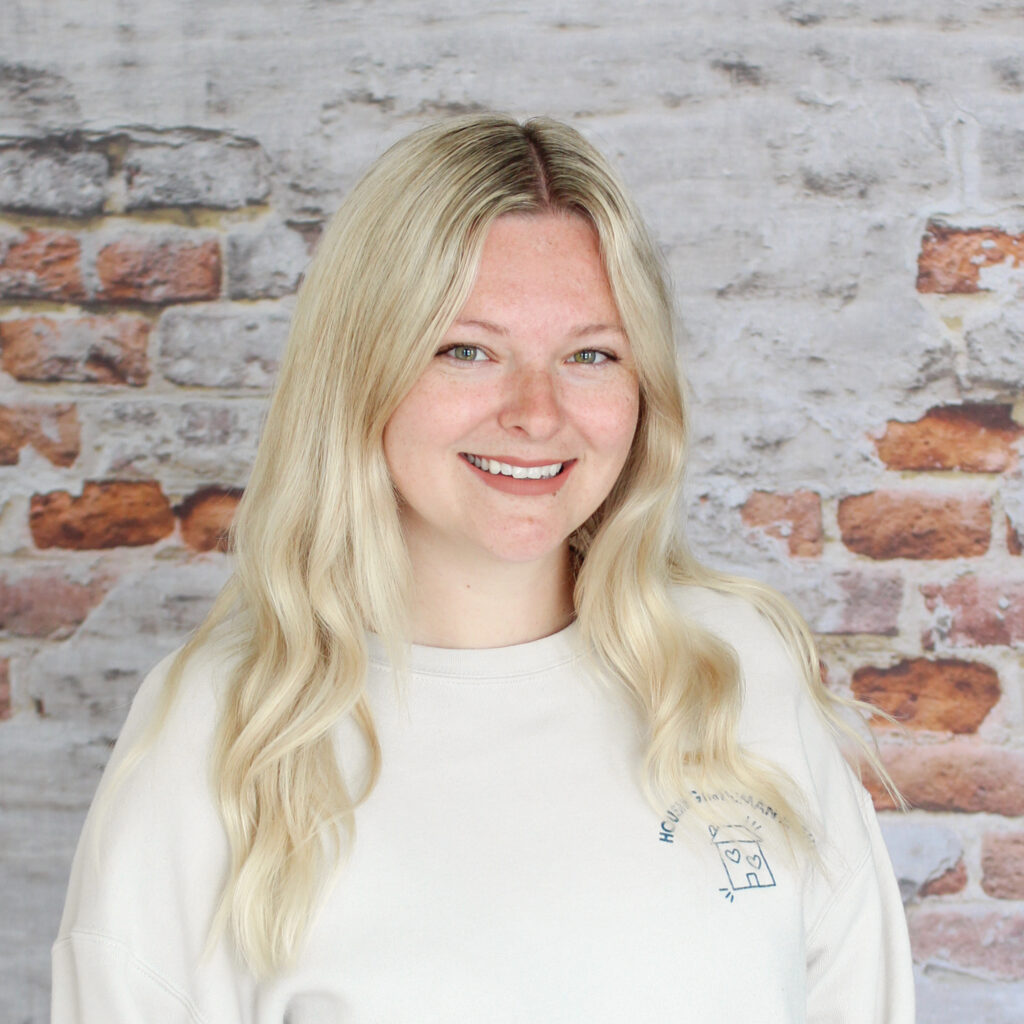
(951,259)
(5,689)
(205,517)
(948,883)
(954,777)
(1002,865)
(795,518)
(971,438)
(969,939)
(915,524)
(46,604)
(107,514)
(975,612)
(139,269)
(41,265)
(945,695)
(53,430)
(90,349)
(1014,544)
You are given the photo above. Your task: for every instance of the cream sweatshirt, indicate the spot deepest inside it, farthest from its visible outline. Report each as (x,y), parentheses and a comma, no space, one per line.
(507,867)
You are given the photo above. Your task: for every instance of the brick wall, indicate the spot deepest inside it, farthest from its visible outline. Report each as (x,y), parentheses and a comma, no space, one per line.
(836,188)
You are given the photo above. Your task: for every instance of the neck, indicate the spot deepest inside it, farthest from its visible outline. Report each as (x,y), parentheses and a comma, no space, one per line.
(496,604)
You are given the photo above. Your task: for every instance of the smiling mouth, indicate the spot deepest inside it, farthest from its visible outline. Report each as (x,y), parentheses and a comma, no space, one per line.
(496,468)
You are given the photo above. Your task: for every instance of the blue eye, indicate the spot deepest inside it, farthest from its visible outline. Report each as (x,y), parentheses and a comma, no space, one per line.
(589,357)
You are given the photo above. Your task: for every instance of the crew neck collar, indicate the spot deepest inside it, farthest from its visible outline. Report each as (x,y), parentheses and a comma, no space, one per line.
(485,662)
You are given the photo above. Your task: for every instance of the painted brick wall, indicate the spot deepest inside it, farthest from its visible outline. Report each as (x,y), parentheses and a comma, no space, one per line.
(836,186)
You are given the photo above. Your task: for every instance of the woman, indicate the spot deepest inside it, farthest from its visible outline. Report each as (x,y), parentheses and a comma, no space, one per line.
(598,785)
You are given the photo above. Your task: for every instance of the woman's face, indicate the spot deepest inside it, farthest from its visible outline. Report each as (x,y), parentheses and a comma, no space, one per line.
(519,427)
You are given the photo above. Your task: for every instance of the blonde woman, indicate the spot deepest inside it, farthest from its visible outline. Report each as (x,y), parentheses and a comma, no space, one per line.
(469,736)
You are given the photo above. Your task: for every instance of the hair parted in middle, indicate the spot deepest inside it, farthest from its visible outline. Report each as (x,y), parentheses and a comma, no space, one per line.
(319,553)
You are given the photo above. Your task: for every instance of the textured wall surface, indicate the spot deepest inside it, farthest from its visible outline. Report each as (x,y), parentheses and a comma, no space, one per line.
(837,188)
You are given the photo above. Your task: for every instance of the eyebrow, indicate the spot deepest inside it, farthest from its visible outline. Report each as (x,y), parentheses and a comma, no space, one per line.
(583,331)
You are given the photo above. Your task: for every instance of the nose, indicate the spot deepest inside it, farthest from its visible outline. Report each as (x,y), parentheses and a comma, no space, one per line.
(531,404)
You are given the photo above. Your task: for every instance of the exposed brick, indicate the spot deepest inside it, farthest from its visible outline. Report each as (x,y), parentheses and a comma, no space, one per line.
(945,695)
(796,518)
(972,438)
(1014,544)
(193,168)
(40,265)
(5,689)
(954,777)
(159,270)
(977,940)
(948,883)
(91,349)
(976,612)
(951,259)
(56,174)
(206,515)
(46,603)
(107,514)
(226,345)
(53,430)
(1002,865)
(915,524)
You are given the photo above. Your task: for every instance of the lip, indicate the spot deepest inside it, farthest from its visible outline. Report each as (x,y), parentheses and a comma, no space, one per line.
(526,488)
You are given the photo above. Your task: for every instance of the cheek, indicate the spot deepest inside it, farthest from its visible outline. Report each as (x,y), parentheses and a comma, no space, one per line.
(426,424)
(402,437)
(611,423)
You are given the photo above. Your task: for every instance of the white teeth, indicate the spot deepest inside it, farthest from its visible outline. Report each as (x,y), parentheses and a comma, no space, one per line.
(494,467)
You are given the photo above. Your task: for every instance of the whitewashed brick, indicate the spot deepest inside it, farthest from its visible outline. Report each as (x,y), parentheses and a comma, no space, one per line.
(52,176)
(953,997)
(1002,155)
(194,168)
(89,680)
(920,853)
(33,96)
(265,261)
(183,444)
(222,345)
(995,352)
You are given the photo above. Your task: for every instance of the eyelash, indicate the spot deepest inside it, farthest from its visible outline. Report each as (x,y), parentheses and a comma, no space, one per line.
(605,356)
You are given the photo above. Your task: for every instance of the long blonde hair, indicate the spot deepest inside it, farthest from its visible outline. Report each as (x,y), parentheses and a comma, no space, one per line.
(318,548)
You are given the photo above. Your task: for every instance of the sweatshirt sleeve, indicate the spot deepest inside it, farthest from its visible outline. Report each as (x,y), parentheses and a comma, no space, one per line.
(96,980)
(859,966)
(858,963)
(147,874)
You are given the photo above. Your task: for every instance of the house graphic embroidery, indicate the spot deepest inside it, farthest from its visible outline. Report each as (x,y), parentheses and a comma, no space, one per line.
(742,857)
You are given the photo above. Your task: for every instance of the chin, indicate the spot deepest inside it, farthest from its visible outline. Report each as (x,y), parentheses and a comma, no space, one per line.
(523,551)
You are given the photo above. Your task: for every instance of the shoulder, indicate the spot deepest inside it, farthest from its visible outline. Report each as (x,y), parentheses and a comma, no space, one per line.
(781,718)
(154,822)
(197,693)
(169,736)
(766,661)
(778,703)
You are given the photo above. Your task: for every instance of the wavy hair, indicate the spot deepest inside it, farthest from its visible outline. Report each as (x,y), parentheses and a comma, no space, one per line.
(319,553)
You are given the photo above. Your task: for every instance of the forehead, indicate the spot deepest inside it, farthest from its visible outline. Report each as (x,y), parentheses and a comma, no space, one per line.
(548,264)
